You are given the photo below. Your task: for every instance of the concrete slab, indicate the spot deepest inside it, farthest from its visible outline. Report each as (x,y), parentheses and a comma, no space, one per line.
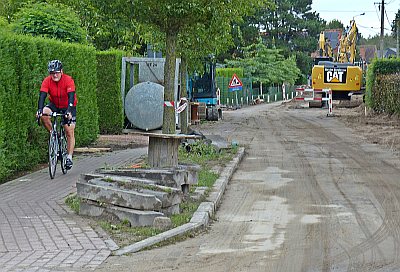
(104,192)
(135,217)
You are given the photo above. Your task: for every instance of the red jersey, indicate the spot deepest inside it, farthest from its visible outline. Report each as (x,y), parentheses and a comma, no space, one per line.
(58,91)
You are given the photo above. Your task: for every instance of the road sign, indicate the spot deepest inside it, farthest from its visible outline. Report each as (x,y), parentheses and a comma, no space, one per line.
(235,84)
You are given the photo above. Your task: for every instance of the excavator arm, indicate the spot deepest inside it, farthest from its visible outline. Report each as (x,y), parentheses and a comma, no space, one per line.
(342,76)
(347,44)
(325,48)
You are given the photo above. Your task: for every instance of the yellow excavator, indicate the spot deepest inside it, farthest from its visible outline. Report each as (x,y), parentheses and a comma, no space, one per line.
(338,73)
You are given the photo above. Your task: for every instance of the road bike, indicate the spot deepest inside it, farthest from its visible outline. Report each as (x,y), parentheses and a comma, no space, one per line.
(57,144)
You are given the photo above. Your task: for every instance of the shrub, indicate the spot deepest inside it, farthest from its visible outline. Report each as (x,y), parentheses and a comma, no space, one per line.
(383,80)
(111,115)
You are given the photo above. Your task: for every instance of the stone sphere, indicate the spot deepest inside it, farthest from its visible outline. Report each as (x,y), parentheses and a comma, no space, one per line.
(144,105)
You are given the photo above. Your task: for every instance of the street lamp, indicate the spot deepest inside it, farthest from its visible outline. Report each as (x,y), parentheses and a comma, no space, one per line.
(358,15)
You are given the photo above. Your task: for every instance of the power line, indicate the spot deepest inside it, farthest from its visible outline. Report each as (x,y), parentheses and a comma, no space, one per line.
(371,27)
(377,14)
(387,18)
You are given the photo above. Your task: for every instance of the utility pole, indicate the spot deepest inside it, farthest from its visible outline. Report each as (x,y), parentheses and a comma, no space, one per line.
(397,32)
(382,25)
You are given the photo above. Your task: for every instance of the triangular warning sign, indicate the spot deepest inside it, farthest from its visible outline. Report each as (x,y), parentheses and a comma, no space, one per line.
(235,82)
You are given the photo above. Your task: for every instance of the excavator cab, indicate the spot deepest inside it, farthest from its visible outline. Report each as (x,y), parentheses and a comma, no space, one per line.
(204,90)
(317,60)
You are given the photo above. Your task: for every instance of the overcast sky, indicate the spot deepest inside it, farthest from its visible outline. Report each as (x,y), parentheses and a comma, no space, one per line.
(345,10)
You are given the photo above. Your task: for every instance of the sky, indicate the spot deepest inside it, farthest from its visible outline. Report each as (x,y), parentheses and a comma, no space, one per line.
(368,24)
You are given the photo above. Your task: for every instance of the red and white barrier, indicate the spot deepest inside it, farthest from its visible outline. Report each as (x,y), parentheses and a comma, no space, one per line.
(328,97)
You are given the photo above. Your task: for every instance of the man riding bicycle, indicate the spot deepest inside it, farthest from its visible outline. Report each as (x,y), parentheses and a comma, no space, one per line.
(61,90)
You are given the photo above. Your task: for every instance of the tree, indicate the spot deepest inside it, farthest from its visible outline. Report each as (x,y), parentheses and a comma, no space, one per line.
(267,66)
(49,20)
(396,24)
(107,27)
(388,40)
(335,24)
(9,7)
(290,26)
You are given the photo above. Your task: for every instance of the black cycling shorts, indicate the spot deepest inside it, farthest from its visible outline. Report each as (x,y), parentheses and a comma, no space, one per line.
(64,121)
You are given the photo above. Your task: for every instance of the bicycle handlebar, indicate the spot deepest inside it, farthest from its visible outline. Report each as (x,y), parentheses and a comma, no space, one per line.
(54,114)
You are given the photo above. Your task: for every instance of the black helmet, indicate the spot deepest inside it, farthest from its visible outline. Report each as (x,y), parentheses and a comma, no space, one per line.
(54,66)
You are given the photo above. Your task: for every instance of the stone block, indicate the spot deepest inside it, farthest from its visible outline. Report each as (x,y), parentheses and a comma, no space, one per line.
(106,192)
(162,223)
(135,217)
(170,177)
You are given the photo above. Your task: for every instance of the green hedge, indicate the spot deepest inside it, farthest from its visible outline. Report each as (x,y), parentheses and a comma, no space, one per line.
(228,72)
(111,115)
(23,65)
(382,89)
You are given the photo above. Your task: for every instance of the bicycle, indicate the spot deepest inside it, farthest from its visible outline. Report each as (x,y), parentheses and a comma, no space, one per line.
(57,144)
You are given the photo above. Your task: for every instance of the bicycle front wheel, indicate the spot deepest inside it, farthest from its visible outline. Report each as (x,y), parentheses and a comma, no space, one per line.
(53,150)
(63,151)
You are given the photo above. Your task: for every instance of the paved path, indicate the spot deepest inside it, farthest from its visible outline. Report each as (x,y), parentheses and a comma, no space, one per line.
(38,232)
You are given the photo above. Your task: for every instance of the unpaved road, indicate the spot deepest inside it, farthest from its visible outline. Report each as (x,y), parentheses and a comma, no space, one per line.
(309,195)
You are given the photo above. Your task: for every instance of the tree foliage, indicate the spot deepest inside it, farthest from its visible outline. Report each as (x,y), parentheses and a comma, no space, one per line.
(107,25)
(335,24)
(9,7)
(396,23)
(49,20)
(290,26)
(265,65)
(388,40)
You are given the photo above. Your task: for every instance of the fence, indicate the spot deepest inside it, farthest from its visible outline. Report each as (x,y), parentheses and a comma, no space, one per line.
(235,98)
(249,95)
(325,95)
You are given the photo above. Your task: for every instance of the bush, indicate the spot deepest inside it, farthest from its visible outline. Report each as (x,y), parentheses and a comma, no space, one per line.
(228,72)
(382,88)
(111,115)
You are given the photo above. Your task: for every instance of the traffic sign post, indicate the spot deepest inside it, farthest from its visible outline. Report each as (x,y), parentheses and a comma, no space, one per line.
(235,85)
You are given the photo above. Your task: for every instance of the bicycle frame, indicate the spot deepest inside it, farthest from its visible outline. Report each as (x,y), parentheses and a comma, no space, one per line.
(57,145)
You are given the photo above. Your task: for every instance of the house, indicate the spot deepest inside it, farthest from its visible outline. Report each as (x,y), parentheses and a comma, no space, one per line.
(390,53)
(367,52)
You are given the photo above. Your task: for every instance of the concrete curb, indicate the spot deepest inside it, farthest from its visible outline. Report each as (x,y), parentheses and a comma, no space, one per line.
(200,218)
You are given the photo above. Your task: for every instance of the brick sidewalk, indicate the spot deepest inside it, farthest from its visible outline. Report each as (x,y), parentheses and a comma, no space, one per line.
(38,232)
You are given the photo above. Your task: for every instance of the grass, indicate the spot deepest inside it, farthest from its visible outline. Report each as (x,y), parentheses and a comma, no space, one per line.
(123,234)
(200,153)
(73,202)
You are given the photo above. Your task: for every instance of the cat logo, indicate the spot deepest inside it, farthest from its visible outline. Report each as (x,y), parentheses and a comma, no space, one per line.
(335,75)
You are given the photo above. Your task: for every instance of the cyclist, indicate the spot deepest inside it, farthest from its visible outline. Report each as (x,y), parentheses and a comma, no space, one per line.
(61,90)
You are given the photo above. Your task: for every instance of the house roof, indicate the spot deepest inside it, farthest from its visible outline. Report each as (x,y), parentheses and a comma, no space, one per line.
(367,52)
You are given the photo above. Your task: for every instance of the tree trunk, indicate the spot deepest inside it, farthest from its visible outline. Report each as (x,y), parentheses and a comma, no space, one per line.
(184,113)
(169,83)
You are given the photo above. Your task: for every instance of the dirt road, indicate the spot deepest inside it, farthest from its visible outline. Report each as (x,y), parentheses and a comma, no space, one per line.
(309,195)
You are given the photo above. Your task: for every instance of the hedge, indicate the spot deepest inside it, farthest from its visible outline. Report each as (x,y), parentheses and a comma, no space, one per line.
(23,65)
(382,88)
(111,115)
(228,72)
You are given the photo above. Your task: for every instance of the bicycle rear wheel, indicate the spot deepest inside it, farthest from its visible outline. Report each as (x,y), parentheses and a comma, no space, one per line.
(53,150)
(63,151)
